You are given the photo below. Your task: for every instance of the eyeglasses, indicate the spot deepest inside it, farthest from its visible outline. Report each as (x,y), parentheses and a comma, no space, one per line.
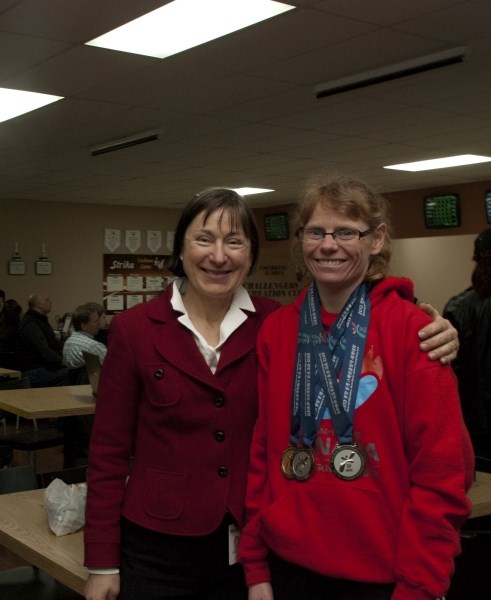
(341,235)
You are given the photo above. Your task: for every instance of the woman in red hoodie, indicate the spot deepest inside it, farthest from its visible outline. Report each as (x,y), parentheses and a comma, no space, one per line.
(360,460)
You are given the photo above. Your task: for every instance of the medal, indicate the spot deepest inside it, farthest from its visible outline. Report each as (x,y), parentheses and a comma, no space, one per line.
(347,461)
(286,462)
(302,464)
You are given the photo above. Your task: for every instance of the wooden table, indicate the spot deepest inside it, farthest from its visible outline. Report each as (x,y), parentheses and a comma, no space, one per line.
(10,373)
(480,494)
(49,402)
(24,530)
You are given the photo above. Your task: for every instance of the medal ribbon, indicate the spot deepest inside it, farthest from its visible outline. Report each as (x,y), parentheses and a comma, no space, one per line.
(320,359)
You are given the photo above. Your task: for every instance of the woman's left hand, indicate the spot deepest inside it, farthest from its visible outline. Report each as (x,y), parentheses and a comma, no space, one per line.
(441,339)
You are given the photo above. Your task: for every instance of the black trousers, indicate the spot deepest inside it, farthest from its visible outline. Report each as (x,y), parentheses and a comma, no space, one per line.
(156,566)
(291,582)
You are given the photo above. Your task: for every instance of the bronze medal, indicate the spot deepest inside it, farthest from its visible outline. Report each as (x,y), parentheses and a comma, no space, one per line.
(347,461)
(286,462)
(302,464)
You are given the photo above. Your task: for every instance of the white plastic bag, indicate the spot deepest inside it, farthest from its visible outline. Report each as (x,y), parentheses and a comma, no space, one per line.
(65,505)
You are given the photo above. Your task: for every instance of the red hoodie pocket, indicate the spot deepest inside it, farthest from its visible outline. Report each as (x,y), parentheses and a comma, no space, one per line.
(337,529)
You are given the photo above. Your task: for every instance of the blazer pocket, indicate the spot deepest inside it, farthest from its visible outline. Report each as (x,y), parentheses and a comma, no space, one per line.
(165,494)
(162,383)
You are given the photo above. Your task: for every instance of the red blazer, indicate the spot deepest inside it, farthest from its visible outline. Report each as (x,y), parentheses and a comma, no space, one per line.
(186,431)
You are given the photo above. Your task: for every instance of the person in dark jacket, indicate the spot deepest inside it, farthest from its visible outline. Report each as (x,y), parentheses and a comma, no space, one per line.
(470,313)
(9,325)
(40,351)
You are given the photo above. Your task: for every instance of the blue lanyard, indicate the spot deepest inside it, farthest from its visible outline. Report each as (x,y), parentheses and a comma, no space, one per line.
(319,359)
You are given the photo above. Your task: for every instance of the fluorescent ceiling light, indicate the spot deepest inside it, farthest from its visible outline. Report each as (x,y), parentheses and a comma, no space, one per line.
(14,103)
(249,191)
(420,64)
(134,140)
(183,24)
(441,163)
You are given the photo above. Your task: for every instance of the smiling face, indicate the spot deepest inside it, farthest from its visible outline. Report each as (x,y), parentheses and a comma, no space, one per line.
(339,266)
(216,257)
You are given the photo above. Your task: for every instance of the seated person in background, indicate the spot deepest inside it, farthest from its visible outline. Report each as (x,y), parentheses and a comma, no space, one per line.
(103,334)
(87,320)
(9,325)
(40,352)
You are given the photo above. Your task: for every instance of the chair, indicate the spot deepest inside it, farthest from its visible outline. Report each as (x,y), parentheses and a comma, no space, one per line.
(69,476)
(17,479)
(93,370)
(9,383)
(30,441)
(28,582)
(10,360)
(77,428)
(483,464)
(15,384)
(6,456)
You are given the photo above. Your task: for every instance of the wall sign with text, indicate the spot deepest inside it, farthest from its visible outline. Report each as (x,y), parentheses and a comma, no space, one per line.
(131,279)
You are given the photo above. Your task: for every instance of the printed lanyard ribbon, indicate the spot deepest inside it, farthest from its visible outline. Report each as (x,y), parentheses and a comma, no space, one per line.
(320,359)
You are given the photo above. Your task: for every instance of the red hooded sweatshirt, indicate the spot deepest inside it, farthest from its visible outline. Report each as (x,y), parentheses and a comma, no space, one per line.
(399,522)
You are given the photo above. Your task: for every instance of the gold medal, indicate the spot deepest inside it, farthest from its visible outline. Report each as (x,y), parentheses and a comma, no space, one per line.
(347,461)
(302,464)
(286,462)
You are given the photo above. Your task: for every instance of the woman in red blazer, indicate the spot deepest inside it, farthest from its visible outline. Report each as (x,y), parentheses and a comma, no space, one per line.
(176,406)
(177,398)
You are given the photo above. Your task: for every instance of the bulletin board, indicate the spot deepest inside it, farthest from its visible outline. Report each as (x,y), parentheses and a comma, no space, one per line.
(131,279)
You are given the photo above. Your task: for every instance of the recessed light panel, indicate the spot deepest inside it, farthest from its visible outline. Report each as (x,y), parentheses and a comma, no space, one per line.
(441,163)
(249,191)
(14,103)
(183,24)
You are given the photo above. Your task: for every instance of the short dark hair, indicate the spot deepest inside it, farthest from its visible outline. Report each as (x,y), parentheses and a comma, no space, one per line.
(207,202)
(2,294)
(98,308)
(482,245)
(82,314)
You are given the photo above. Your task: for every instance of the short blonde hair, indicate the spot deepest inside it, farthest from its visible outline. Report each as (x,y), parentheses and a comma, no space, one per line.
(355,199)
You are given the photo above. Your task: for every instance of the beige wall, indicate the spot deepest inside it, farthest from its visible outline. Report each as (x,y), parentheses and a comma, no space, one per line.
(74,236)
(439,266)
(439,261)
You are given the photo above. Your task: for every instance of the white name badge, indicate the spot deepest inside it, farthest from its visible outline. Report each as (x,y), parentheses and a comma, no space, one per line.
(233,542)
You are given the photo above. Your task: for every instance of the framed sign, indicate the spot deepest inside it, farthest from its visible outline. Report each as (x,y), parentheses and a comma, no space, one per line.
(44,267)
(487,203)
(17,267)
(442,211)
